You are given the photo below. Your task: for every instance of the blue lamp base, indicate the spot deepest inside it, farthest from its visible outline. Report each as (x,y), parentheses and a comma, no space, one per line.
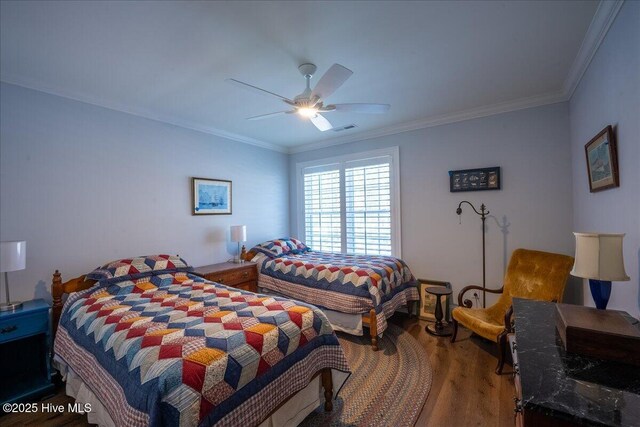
(600,291)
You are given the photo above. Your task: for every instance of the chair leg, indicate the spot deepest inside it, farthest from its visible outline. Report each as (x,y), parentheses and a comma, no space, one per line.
(502,350)
(455,329)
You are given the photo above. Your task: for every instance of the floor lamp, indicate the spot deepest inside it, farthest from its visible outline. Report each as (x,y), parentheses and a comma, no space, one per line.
(483,215)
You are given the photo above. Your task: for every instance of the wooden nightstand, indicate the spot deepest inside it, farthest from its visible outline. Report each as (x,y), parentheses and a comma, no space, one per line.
(242,276)
(24,352)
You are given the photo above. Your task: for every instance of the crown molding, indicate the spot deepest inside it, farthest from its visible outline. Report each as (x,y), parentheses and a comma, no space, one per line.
(473,113)
(443,119)
(13,80)
(602,19)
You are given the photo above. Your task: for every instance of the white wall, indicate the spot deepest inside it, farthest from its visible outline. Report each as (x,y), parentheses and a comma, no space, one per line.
(609,94)
(84,185)
(532,148)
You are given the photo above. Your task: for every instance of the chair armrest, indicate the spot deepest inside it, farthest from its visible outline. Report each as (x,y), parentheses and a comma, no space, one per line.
(477,287)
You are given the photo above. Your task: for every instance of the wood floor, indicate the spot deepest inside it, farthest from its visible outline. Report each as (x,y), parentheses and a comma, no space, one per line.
(465,391)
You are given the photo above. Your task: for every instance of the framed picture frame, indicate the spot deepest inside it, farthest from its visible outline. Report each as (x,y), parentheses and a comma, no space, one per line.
(602,161)
(211,196)
(427,307)
(474,179)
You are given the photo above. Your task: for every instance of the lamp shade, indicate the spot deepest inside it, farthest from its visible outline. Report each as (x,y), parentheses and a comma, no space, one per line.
(238,233)
(13,256)
(599,256)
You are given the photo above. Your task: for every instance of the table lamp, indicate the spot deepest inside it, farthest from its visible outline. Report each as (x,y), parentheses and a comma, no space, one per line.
(599,259)
(238,234)
(12,258)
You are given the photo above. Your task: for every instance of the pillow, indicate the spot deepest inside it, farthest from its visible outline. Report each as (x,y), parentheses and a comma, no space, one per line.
(130,268)
(299,246)
(278,247)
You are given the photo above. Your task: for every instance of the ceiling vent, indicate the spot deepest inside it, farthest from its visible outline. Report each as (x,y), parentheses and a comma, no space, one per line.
(341,128)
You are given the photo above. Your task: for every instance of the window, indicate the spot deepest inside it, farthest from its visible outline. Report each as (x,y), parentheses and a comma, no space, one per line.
(368,208)
(322,209)
(351,204)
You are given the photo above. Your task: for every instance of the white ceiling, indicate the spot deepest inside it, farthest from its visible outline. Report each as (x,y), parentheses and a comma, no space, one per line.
(169,60)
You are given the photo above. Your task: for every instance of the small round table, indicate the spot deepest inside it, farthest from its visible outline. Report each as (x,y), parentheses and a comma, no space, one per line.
(439,328)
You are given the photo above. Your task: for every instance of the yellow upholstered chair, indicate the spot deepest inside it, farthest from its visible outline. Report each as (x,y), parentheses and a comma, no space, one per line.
(532,275)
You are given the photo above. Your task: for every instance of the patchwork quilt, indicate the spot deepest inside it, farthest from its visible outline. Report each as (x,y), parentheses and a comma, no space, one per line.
(346,283)
(175,349)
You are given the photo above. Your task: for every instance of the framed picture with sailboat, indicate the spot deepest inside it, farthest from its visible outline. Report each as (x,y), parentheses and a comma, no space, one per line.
(602,161)
(211,196)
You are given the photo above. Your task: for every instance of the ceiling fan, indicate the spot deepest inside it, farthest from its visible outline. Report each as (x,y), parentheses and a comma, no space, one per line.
(310,103)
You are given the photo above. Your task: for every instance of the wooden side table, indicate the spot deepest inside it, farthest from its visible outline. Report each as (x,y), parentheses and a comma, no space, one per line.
(242,276)
(24,352)
(439,329)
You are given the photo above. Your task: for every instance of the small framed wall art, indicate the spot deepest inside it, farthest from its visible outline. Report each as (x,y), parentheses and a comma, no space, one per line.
(602,161)
(474,179)
(211,196)
(428,302)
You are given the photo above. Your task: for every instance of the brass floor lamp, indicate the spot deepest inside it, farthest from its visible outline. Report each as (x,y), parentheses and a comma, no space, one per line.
(483,215)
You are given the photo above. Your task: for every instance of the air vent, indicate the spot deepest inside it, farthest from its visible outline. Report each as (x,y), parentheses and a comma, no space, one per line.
(341,128)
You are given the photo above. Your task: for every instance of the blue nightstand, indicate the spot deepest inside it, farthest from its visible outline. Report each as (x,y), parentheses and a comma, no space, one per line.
(25,372)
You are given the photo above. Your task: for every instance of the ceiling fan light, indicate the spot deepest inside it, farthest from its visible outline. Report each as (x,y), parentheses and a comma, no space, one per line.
(307,112)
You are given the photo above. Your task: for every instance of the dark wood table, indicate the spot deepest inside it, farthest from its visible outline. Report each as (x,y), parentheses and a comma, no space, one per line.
(440,328)
(237,275)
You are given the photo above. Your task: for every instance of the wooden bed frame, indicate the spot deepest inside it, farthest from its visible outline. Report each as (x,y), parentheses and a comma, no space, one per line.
(369,319)
(59,289)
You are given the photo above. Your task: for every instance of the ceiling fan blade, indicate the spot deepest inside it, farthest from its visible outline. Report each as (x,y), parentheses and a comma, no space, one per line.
(360,108)
(258,90)
(321,123)
(332,80)
(268,116)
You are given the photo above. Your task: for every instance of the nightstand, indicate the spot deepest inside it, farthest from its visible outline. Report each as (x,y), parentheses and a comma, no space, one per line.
(24,352)
(242,276)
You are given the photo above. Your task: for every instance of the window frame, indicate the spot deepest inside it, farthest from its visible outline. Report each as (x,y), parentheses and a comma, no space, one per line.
(396,216)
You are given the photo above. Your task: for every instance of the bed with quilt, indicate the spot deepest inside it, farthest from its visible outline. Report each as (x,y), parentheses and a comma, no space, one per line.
(146,343)
(353,290)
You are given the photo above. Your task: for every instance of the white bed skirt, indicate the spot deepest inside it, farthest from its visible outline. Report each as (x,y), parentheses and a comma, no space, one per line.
(345,322)
(290,414)
(349,323)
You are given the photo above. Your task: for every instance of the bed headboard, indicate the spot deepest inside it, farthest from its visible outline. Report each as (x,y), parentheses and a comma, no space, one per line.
(248,256)
(58,289)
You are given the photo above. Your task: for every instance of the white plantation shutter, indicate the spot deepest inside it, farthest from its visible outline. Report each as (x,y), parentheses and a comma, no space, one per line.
(322,208)
(351,204)
(368,207)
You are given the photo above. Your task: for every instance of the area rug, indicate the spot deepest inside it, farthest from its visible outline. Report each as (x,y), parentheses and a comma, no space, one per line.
(387,387)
